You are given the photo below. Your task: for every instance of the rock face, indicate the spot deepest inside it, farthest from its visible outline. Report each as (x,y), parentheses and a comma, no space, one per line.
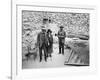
(74,23)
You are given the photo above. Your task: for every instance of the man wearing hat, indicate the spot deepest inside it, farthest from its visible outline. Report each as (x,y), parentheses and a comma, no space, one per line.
(42,43)
(45,21)
(61,37)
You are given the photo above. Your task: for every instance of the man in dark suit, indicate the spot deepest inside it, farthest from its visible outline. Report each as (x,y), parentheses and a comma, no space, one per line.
(61,37)
(42,42)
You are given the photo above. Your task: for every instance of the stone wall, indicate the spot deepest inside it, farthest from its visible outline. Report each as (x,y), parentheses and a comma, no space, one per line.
(74,23)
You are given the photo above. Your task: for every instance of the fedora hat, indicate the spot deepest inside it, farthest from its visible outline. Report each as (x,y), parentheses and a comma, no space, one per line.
(49,30)
(45,19)
(61,27)
(43,27)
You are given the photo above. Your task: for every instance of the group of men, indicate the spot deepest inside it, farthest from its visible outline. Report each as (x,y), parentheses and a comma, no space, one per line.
(45,42)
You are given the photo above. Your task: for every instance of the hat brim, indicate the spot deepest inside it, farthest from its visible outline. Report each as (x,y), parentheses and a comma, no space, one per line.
(43,28)
(61,27)
(49,31)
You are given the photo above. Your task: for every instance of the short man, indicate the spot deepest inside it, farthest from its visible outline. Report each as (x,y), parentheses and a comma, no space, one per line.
(42,42)
(61,37)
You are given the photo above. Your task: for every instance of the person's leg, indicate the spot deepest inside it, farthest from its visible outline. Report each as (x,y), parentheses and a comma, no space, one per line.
(40,53)
(50,50)
(63,48)
(45,52)
(59,48)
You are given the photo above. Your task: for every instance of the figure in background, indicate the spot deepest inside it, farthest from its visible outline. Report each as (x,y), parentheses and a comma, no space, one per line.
(42,43)
(61,37)
(50,43)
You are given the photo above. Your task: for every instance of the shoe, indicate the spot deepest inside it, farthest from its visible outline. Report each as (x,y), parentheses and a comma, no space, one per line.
(59,53)
(45,60)
(50,56)
(40,60)
(62,53)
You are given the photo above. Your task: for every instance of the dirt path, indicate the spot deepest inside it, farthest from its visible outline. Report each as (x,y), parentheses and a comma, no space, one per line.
(57,60)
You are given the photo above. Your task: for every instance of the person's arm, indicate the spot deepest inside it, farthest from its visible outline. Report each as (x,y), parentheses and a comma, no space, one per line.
(47,41)
(51,38)
(58,35)
(65,34)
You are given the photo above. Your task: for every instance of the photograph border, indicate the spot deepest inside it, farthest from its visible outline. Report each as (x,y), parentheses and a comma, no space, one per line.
(17,31)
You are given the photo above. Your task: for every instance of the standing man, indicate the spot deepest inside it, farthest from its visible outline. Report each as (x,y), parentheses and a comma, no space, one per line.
(61,37)
(42,42)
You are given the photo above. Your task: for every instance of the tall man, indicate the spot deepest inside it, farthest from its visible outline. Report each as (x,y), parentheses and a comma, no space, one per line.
(61,37)
(42,42)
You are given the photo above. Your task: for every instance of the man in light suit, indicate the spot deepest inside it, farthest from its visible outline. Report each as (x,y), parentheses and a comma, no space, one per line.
(61,37)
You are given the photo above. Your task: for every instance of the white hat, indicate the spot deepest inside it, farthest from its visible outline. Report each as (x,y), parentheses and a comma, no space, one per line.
(43,27)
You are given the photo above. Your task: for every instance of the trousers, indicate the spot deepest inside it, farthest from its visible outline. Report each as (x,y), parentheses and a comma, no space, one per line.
(61,47)
(43,49)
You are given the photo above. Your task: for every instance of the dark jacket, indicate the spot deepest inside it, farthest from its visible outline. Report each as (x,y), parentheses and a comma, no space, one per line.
(42,39)
(50,45)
